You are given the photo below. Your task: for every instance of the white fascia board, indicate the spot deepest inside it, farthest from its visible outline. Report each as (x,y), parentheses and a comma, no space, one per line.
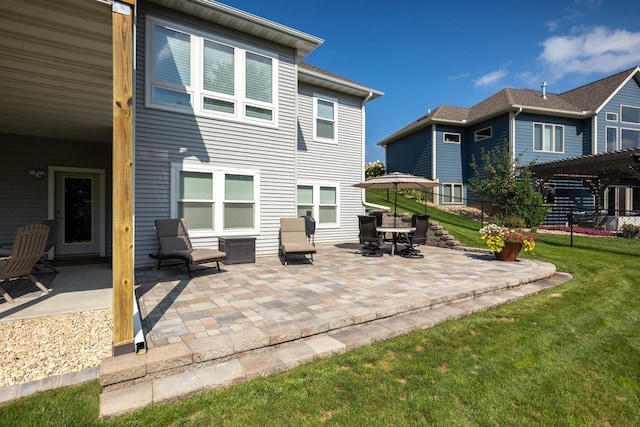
(315,78)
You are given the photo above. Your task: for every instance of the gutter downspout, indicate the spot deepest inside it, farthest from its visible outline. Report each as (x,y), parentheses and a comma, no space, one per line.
(364,144)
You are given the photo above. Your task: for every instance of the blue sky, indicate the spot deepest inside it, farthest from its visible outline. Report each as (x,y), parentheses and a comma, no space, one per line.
(423,53)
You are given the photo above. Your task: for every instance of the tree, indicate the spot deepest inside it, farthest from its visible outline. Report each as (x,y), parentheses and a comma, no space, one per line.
(507,186)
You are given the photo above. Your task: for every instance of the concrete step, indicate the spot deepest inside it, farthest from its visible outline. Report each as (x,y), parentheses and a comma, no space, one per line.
(175,371)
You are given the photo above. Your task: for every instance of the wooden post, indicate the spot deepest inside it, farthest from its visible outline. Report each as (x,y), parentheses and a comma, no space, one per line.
(122,16)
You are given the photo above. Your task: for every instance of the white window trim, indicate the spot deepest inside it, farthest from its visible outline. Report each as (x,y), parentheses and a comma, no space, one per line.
(218,198)
(606,129)
(319,97)
(606,116)
(452,185)
(533,137)
(196,90)
(477,137)
(316,201)
(629,106)
(444,139)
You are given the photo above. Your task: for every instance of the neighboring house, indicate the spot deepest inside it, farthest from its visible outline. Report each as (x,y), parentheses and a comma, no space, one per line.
(217,119)
(600,117)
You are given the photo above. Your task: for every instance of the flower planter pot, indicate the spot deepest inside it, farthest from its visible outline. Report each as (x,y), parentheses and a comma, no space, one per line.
(509,252)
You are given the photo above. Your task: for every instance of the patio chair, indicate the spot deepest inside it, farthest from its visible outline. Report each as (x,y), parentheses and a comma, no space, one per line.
(51,242)
(28,247)
(173,237)
(293,239)
(369,236)
(416,238)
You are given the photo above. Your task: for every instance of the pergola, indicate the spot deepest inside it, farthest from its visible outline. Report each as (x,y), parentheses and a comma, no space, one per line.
(598,171)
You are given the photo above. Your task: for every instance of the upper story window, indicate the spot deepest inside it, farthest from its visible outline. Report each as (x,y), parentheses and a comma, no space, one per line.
(612,138)
(453,138)
(549,138)
(325,118)
(481,134)
(215,200)
(209,76)
(612,117)
(630,114)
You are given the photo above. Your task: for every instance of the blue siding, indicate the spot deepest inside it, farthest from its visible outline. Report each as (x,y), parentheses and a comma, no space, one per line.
(571,194)
(628,95)
(473,149)
(449,155)
(573,138)
(411,154)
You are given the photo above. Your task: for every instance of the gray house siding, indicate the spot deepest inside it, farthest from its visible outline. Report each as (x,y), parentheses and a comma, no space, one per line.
(340,162)
(573,138)
(25,199)
(629,95)
(412,154)
(164,138)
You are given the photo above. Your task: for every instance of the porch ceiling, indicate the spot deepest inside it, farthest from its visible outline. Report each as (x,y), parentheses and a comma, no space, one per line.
(55,71)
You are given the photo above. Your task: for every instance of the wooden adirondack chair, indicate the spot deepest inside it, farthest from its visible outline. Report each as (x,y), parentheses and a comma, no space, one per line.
(27,249)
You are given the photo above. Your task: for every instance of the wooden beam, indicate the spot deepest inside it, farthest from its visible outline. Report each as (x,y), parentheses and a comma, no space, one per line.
(123,275)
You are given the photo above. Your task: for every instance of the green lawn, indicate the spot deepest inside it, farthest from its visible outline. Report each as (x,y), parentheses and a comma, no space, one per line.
(569,356)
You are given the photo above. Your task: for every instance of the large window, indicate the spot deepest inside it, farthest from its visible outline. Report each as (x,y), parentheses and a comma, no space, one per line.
(452,194)
(321,200)
(325,118)
(219,201)
(210,76)
(549,138)
(630,114)
(629,138)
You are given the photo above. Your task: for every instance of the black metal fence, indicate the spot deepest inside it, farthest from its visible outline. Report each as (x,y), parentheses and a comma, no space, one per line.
(610,230)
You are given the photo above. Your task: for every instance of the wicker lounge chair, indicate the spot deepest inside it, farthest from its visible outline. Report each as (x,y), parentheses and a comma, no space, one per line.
(175,244)
(27,249)
(293,239)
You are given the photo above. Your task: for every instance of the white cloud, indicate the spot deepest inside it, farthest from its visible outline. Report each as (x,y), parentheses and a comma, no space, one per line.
(491,78)
(591,50)
(459,76)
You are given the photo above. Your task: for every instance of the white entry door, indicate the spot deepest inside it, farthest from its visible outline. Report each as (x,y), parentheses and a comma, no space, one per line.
(78,210)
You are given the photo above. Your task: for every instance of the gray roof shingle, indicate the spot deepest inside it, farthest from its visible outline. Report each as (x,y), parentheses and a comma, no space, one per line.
(580,101)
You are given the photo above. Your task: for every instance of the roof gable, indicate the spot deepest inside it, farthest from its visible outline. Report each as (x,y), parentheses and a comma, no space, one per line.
(592,96)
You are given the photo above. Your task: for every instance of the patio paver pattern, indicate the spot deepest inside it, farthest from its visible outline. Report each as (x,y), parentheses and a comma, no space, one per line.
(253,320)
(340,289)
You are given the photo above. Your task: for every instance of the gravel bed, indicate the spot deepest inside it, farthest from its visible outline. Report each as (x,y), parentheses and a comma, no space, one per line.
(33,349)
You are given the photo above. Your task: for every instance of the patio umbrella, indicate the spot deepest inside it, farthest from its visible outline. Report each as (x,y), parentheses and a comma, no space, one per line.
(398,181)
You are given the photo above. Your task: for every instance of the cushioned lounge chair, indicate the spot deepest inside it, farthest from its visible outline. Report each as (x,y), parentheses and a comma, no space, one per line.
(175,244)
(28,247)
(293,239)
